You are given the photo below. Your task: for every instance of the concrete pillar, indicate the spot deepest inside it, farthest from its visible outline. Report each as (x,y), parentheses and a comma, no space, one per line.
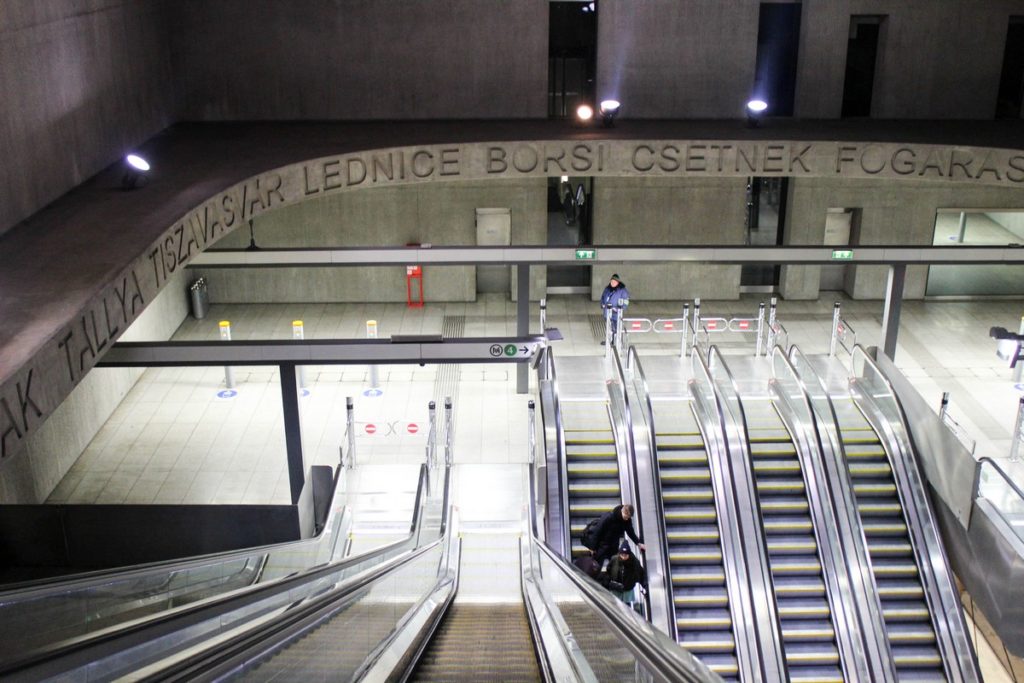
(522,322)
(893,305)
(292,429)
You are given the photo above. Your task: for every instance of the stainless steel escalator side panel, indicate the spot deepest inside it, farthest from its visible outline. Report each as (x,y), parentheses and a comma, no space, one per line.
(874,396)
(846,568)
(851,543)
(756,629)
(553,440)
(652,524)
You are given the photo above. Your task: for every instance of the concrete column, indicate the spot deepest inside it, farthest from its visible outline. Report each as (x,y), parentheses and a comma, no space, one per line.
(292,429)
(893,305)
(522,322)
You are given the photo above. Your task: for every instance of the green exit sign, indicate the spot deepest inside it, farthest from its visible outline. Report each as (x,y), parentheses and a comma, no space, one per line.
(842,254)
(586,254)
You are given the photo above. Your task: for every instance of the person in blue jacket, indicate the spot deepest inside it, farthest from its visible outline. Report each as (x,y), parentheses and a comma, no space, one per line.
(614,294)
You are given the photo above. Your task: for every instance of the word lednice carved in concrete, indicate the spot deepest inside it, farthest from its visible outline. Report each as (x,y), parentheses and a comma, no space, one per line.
(30,393)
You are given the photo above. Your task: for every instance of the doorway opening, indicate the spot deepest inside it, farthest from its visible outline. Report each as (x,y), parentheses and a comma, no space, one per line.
(572,56)
(861,56)
(842,228)
(778,37)
(1011,80)
(766,214)
(569,221)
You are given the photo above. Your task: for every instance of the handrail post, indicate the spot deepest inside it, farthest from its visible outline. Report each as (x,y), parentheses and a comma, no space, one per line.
(607,332)
(531,437)
(772,312)
(696,316)
(760,329)
(543,315)
(944,406)
(448,431)
(350,432)
(619,327)
(229,372)
(1018,432)
(432,435)
(686,330)
(835,330)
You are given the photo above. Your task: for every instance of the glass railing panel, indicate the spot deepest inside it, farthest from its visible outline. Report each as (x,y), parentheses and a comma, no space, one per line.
(346,636)
(1004,498)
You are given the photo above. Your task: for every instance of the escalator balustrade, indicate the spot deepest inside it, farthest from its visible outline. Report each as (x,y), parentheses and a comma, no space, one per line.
(808,633)
(905,611)
(702,612)
(591,463)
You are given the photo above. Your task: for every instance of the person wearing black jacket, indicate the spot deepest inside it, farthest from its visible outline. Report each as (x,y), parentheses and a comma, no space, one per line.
(625,572)
(611,527)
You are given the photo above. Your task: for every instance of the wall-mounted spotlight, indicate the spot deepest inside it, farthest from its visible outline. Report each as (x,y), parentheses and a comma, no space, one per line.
(589,7)
(609,110)
(755,111)
(584,113)
(136,173)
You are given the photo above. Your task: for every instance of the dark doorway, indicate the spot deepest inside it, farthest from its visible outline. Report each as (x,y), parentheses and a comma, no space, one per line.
(766,214)
(861,55)
(572,56)
(778,37)
(569,214)
(1011,82)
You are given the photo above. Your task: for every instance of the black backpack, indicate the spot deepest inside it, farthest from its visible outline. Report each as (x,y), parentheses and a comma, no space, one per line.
(589,535)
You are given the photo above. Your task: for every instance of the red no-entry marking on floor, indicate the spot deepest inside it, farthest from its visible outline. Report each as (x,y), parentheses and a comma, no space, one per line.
(412,427)
(371,428)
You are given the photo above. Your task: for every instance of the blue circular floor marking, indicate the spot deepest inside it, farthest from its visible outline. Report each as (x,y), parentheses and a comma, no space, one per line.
(1019,387)
(305,392)
(373,393)
(227,393)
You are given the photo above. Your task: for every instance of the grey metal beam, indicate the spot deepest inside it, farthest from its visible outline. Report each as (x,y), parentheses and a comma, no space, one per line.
(292,430)
(523,322)
(396,350)
(893,306)
(795,255)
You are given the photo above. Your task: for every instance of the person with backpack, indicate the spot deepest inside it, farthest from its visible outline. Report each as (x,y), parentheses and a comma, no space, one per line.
(614,300)
(602,535)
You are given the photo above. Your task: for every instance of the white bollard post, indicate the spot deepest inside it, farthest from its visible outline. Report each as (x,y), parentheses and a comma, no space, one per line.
(350,421)
(686,330)
(620,328)
(835,330)
(607,332)
(299,334)
(773,305)
(229,372)
(543,315)
(944,406)
(371,333)
(760,329)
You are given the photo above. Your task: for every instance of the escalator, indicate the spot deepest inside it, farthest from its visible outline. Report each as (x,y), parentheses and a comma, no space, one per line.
(808,633)
(702,612)
(591,464)
(908,621)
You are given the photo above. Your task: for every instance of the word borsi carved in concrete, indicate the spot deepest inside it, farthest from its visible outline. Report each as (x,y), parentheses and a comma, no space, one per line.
(32,392)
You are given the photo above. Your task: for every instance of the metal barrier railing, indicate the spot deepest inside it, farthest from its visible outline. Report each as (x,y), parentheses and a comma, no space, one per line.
(958,430)
(843,333)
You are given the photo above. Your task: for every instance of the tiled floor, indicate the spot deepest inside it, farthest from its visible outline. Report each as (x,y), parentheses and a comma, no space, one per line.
(175,440)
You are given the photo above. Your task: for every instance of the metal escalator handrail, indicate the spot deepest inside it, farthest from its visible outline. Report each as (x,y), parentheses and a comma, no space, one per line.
(647,407)
(865,652)
(563,463)
(1002,475)
(633,475)
(754,543)
(60,657)
(952,638)
(653,648)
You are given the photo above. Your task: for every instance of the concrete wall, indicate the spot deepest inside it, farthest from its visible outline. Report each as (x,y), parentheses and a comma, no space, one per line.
(439,213)
(890,213)
(31,475)
(362,59)
(669,211)
(677,58)
(696,58)
(935,59)
(81,82)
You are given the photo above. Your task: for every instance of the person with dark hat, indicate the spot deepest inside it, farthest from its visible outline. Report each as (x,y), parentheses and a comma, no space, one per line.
(603,534)
(614,300)
(625,572)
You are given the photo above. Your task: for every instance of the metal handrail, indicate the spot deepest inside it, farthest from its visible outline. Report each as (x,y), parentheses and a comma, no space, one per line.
(952,638)
(547,363)
(1002,474)
(774,641)
(634,475)
(66,656)
(659,497)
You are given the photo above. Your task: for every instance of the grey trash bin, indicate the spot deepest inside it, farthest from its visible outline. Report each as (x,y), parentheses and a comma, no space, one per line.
(200,298)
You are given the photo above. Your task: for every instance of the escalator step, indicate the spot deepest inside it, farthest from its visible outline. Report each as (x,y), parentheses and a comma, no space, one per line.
(894,569)
(708,645)
(595,441)
(787,526)
(913,634)
(690,475)
(808,633)
(695,600)
(696,457)
(793,486)
(676,536)
(763,467)
(593,469)
(705,578)
(696,557)
(873,509)
(885,529)
(694,513)
(874,489)
(704,623)
(914,612)
(786,567)
(776,506)
(817,610)
(595,489)
(791,547)
(860,440)
(901,592)
(858,469)
(590,455)
(689,495)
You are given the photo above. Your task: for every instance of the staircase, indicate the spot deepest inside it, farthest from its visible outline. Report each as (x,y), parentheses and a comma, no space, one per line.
(703,618)
(907,619)
(808,634)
